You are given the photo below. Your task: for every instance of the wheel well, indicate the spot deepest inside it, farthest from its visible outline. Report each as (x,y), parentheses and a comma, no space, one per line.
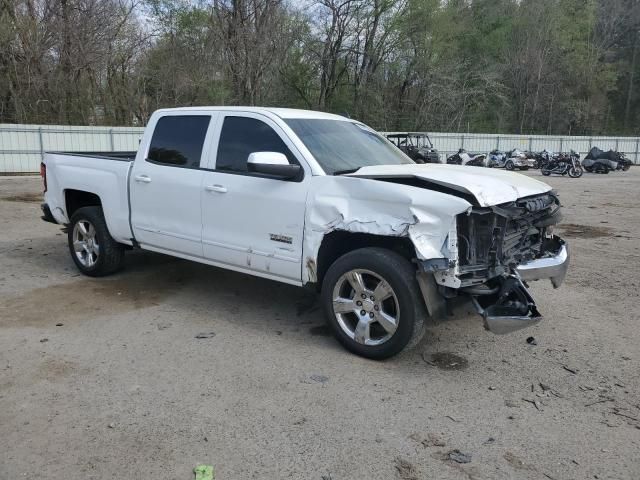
(75,199)
(337,243)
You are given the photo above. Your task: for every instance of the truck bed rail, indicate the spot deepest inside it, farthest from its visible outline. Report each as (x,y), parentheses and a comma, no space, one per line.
(121,156)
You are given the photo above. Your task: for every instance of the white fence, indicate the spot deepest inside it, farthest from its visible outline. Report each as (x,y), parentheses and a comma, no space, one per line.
(448,143)
(22,146)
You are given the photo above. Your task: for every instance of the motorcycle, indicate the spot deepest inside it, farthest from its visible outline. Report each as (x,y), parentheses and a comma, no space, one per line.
(563,164)
(513,159)
(624,163)
(497,158)
(464,158)
(518,159)
(544,157)
(538,158)
(599,161)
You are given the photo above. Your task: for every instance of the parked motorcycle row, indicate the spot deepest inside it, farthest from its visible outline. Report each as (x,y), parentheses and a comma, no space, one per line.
(596,161)
(548,163)
(419,147)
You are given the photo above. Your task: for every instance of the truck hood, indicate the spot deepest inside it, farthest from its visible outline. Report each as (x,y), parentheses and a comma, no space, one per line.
(488,186)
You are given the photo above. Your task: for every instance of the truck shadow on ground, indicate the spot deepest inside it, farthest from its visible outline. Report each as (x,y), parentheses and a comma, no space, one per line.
(200,294)
(148,279)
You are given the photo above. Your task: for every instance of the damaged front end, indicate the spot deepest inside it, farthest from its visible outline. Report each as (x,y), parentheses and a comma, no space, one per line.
(483,235)
(501,247)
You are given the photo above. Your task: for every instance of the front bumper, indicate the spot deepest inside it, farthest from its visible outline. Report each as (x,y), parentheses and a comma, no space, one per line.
(510,306)
(552,267)
(509,309)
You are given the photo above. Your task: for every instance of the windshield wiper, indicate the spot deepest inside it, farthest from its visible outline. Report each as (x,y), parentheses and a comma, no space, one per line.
(348,170)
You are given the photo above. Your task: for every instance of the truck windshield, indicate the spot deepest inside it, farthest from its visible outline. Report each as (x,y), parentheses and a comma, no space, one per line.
(343,146)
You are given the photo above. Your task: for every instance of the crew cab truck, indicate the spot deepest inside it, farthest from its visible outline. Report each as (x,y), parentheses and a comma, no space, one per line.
(318,200)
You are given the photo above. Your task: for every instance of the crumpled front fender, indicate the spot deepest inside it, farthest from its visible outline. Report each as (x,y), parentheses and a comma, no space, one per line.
(380,208)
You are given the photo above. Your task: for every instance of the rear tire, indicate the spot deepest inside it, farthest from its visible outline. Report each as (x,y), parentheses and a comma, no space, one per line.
(92,248)
(600,168)
(390,322)
(509,165)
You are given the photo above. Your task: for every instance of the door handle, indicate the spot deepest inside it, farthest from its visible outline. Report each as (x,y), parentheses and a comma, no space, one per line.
(142,179)
(216,188)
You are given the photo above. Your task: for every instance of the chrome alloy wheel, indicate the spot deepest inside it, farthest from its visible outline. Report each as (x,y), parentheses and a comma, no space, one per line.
(85,243)
(366,307)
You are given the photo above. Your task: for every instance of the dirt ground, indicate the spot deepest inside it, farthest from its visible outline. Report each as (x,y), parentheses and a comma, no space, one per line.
(106,379)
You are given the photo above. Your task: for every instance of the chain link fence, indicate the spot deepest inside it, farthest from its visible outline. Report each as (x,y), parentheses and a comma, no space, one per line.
(22,146)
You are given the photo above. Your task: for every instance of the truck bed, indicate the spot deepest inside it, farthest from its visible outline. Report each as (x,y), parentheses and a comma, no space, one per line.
(104,174)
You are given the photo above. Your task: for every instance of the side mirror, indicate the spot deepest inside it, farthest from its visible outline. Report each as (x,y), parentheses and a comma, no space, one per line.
(272,163)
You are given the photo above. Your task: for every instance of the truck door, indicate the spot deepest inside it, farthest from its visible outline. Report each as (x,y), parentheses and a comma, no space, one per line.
(252,222)
(166,183)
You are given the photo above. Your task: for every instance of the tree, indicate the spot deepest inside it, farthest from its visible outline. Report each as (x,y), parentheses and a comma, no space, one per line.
(529,66)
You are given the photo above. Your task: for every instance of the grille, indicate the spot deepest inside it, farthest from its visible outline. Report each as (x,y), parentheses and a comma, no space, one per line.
(494,240)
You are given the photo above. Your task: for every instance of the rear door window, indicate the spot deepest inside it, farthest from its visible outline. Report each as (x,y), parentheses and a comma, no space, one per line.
(178,140)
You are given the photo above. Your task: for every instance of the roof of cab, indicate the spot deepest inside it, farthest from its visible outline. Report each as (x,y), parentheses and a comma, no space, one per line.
(280,112)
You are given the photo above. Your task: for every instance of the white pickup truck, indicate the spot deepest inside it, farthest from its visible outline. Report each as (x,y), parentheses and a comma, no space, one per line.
(319,200)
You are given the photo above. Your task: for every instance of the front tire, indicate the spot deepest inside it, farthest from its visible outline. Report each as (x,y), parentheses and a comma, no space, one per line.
(92,248)
(575,172)
(509,165)
(372,302)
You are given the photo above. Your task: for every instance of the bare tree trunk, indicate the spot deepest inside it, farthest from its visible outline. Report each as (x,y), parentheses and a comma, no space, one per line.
(632,71)
(341,12)
(368,62)
(553,91)
(537,95)
(66,65)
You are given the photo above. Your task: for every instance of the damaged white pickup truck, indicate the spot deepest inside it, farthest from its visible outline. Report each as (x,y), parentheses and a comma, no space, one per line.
(317,200)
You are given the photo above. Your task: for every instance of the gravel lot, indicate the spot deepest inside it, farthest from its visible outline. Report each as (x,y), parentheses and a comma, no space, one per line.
(105,378)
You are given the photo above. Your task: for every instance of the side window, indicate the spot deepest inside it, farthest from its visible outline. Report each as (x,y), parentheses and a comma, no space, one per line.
(241,136)
(178,140)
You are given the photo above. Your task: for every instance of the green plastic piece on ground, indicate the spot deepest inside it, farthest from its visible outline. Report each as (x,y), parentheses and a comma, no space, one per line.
(204,472)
